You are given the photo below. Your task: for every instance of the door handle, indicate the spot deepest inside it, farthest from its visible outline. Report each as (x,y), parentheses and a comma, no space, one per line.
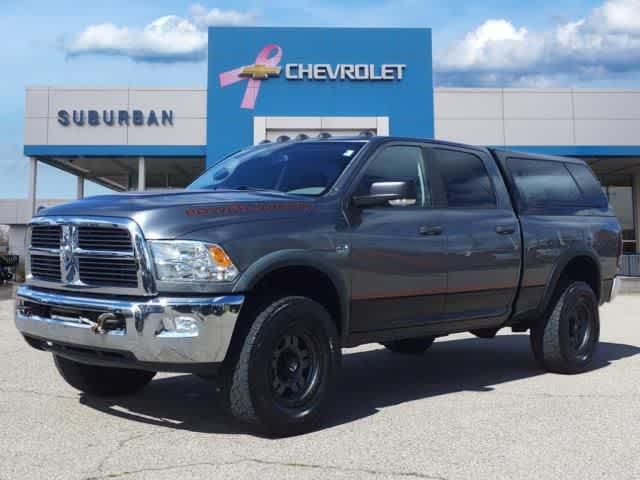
(436,230)
(505,230)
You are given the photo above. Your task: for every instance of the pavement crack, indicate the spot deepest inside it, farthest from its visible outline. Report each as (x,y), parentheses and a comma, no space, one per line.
(336,468)
(314,466)
(158,469)
(119,446)
(572,395)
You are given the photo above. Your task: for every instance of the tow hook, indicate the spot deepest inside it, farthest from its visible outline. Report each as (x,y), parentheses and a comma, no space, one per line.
(105,322)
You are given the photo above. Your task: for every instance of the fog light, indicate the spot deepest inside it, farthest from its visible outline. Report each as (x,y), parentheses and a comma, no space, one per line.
(182,326)
(186,325)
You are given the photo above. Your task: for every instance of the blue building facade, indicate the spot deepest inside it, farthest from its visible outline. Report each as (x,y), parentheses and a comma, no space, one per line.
(316,72)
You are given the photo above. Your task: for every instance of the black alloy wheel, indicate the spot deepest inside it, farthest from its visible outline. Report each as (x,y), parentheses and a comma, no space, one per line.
(295,369)
(581,325)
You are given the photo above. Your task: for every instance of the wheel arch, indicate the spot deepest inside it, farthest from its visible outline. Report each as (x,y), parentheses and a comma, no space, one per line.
(575,265)
(308,269)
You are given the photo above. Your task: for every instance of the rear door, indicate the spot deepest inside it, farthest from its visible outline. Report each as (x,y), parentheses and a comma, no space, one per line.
(398,250)
(482,232)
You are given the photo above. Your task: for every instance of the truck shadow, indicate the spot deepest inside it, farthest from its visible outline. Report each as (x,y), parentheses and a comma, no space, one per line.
(370,380)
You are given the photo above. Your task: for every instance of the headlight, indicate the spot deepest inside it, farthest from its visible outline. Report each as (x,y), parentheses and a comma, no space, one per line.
(188,261)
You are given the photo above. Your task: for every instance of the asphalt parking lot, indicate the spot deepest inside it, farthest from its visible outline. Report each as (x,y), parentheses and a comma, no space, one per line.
(467,409)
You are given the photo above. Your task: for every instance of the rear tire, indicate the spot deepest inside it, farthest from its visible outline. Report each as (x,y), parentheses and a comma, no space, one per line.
(567,340)
(102,381)
(287,369)
(411,346)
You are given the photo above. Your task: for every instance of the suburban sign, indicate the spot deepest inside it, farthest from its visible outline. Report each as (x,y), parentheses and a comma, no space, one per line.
(110,118)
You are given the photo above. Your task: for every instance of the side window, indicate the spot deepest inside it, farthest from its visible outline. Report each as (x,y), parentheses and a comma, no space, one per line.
(465,180)
(398,163)
(544,182)
(589,185)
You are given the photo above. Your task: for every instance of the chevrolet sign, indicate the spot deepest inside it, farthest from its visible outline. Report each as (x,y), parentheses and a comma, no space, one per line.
(344,71)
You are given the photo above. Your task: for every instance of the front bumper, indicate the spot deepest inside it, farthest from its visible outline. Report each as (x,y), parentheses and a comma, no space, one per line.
(41,316)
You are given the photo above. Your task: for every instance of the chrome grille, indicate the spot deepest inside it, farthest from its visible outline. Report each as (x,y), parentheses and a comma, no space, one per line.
(92,254)
(46,267)
(109,271)
(46,236)
(104,238)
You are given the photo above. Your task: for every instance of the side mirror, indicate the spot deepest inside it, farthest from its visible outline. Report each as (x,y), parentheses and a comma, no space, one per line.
(381,193)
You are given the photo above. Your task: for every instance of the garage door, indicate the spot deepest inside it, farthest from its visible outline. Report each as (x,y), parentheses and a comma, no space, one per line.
(270,128)
(292,133)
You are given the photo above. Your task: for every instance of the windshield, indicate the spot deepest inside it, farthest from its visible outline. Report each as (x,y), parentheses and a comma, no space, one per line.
(303,168)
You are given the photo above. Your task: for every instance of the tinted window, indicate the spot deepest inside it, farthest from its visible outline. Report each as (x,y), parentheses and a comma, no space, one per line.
(304,168)
(589,185)
(544,182)
(464,179)
(398,164)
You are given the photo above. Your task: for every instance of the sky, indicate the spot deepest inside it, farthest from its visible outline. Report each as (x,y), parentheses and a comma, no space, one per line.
(493,43)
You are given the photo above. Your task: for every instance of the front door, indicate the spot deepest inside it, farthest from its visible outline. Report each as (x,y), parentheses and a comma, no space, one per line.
(398,250)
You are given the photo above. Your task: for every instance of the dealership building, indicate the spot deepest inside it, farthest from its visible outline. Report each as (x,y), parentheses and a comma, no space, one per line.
(264,83)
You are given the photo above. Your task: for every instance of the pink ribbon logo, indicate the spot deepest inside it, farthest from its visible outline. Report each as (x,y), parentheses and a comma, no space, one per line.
(266,65)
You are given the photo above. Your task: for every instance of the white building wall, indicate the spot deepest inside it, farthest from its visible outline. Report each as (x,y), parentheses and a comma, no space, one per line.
(538,116)
(469,115)
(18,240)
(43,103)
(16,211)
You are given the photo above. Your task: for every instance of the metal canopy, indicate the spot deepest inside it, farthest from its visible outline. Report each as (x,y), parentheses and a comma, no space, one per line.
(615,171)
(121,173)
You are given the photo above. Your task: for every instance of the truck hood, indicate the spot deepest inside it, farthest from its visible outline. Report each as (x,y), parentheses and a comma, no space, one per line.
(172,214)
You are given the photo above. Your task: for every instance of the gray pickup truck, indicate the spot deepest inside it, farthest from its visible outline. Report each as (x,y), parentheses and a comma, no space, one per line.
(281,254)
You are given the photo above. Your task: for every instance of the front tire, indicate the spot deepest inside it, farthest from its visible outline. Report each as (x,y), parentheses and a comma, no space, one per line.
(411,346)
(567,340)
(101,381)
(287,368)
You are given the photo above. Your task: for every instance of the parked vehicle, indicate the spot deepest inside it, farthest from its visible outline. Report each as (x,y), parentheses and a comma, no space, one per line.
(283,253)
(8,265)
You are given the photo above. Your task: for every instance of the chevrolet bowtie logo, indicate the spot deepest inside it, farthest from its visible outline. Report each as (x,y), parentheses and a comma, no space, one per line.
(260,72)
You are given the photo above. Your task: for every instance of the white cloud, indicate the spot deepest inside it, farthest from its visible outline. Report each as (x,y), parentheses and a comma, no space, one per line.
(499,53)
(205,18)
(167,39)
(495,43)
(620,15)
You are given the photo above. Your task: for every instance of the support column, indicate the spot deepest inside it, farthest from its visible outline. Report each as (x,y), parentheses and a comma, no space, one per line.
(142,184)
(33,182)
(79,187)
(635,185)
